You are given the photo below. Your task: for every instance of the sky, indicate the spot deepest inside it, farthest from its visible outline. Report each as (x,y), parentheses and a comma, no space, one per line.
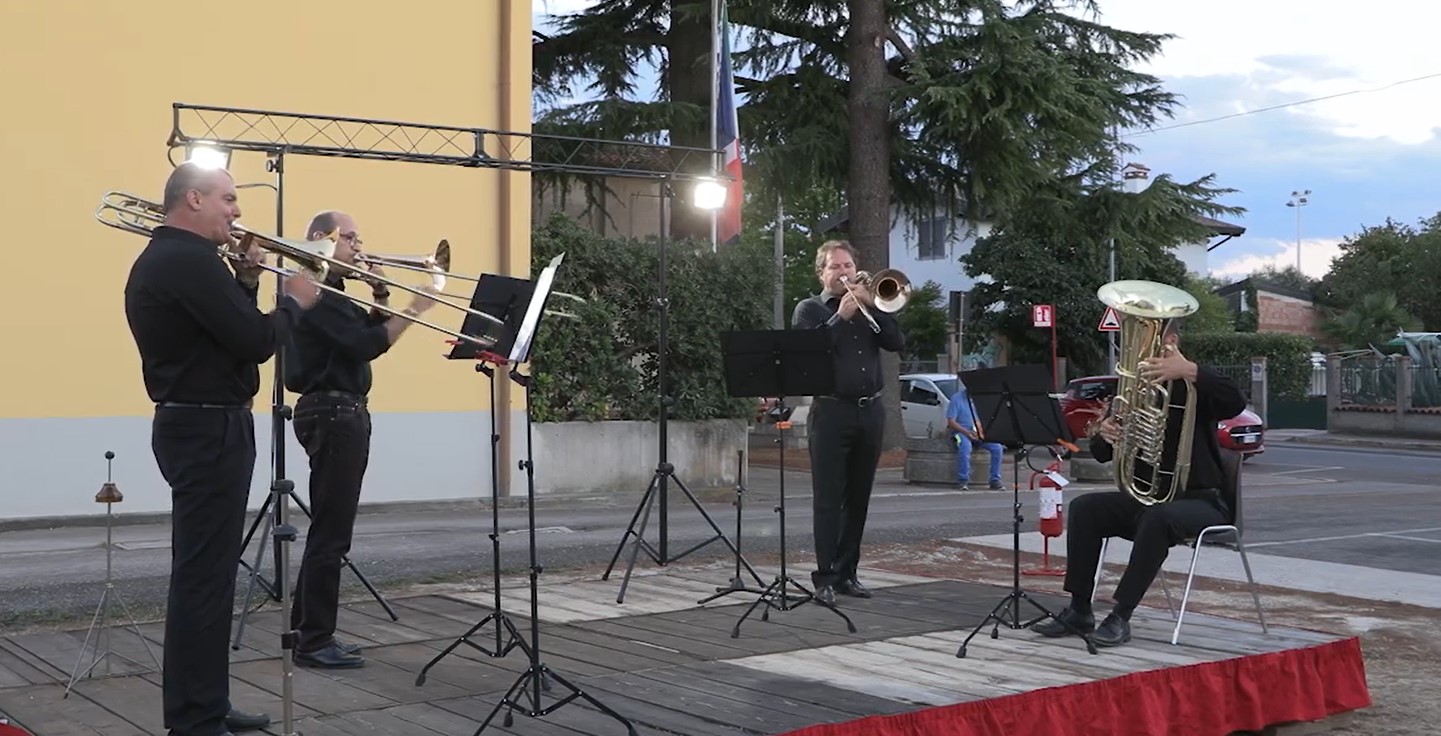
(1372,153)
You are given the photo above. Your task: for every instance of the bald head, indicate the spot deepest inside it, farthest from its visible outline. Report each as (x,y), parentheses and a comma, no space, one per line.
(341,226)
(202,200)
(191,176)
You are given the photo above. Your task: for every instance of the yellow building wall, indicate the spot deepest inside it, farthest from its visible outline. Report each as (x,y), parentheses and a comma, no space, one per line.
(88,88)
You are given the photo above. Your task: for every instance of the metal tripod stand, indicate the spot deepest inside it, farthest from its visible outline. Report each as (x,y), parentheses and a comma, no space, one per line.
(99,625)
(501,619)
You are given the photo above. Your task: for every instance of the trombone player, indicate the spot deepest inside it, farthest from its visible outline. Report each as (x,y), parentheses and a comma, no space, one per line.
(201,340)
(328,365)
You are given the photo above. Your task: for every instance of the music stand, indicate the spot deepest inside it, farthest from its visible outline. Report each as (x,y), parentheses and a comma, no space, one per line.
(537,676)
(503,298)
(1013,407)
(780,363)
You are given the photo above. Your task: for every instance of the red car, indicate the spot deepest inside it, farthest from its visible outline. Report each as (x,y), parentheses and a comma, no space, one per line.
(1084,402)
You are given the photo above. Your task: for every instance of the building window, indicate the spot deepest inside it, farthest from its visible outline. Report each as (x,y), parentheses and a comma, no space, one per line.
(931,238)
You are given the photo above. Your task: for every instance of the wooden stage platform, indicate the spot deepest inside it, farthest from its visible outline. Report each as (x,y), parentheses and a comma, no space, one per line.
(672,667)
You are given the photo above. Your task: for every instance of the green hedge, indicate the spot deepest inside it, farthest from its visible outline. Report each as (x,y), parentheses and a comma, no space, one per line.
(1288,357)
(603,365)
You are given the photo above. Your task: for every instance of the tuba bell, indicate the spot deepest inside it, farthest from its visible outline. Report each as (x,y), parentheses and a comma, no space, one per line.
(1143,409)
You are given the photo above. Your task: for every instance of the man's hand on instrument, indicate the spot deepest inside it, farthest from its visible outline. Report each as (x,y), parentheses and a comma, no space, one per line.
(420,303)
(1110,430)
(247,269)
(848,307)
(1170,366)
(302,289)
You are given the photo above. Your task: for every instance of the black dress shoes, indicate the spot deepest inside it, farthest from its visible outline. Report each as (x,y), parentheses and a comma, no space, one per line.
(826,594)
(1113,632)
(237,721)
(347,648)
(331,657)
(852,587)
(1084,622)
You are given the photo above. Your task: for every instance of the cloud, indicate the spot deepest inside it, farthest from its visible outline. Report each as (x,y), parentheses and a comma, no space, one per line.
(1291,47)
(1316,256)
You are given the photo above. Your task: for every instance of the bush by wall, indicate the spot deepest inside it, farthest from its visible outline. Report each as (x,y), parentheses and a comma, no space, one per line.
(1288,357)
(602,365)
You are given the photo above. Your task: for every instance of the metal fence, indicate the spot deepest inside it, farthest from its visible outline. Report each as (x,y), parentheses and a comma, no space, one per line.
(1367,381)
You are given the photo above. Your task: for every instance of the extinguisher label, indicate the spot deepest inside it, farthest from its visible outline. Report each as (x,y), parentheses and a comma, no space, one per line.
(1057,478)
(1050,502)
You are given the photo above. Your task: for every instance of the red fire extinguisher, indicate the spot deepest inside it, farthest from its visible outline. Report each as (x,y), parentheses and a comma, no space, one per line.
(1051,514)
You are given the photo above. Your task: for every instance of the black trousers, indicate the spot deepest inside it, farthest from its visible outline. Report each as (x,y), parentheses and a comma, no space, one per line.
(335,433)
(845,445)
(207,456)
(1152,530)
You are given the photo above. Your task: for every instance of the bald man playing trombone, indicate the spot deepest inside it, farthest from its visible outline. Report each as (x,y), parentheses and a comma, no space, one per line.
(201,339)
(328,365)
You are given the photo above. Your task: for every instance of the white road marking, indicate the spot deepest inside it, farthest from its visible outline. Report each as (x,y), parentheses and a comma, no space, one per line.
(1395,534)
(1307,469)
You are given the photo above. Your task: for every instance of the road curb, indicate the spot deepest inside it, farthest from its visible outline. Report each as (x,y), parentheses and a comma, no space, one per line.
(1367,442)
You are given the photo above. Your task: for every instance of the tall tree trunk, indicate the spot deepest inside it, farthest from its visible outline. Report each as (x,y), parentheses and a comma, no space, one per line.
(688,79)
(868,195)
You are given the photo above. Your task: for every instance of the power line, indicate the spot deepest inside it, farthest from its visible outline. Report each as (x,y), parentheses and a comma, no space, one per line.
(1285,105)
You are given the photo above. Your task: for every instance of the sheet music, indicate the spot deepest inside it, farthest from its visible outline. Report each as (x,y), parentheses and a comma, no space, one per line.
(520,350)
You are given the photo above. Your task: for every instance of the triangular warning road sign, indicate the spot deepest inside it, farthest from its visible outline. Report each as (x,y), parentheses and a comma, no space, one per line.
(1110,322)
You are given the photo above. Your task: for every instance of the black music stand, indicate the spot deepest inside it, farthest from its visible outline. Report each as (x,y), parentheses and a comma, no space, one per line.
(504,298)
(1013,407)
(780,363)
(537,675)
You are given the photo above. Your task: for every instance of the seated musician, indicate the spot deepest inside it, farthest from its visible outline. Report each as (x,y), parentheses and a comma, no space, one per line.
(1153,530)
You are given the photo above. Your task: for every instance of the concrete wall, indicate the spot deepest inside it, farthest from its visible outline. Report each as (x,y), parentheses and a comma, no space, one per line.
(1394,418)
(55,466)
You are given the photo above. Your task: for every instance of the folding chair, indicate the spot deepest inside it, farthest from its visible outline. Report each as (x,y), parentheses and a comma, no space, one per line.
(1224,535)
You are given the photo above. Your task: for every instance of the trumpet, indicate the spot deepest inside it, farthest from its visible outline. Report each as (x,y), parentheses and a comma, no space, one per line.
(890,290)
(139,216)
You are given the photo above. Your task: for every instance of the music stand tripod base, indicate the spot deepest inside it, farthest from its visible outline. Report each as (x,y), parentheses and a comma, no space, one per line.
(1013,407)
(780,363)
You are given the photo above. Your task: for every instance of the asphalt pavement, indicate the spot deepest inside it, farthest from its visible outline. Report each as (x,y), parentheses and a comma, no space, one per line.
(1369,507)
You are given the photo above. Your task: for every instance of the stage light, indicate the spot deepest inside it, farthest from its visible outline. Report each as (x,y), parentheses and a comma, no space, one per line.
(208,155)
(709,194)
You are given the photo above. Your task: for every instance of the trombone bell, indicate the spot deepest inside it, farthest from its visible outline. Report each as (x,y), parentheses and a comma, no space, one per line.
(890,288)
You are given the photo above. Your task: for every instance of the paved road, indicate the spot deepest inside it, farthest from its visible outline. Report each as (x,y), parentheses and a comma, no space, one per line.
(1363,507)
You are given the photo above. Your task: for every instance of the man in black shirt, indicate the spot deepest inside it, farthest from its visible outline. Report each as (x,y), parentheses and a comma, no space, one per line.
(1207,500)
(201,340)
(329,366)
(844,431)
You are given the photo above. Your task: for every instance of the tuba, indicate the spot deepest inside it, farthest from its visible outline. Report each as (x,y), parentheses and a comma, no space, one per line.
(1142,408)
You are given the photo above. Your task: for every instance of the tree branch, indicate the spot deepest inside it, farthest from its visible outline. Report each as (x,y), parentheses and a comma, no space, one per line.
(902,47)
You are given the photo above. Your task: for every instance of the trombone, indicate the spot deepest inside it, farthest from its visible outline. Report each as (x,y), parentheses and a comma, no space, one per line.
(139,216)
(437,265)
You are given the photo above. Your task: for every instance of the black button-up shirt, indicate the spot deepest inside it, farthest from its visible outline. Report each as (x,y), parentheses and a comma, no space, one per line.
(333,345)
(200,335)
(856,347)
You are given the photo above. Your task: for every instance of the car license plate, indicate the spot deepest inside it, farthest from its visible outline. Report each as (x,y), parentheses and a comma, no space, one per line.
(1247,439)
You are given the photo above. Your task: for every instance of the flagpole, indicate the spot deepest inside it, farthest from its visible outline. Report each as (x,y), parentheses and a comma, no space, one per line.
(780,259)
(715,46)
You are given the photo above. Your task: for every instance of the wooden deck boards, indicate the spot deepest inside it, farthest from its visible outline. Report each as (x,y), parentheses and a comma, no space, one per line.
(659,659)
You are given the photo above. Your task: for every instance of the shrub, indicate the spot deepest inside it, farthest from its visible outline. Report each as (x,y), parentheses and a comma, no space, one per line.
(1288,357)
(602,365)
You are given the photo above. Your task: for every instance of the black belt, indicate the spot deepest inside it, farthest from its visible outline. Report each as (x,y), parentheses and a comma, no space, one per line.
(344,396)
(185,405)
(857,400)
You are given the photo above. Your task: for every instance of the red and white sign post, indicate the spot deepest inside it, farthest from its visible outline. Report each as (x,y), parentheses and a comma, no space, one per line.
(1043,316)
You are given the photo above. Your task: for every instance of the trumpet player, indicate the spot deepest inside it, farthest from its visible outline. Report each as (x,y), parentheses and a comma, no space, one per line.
(1206,501)
(844,430)
(328,365)
(201,340)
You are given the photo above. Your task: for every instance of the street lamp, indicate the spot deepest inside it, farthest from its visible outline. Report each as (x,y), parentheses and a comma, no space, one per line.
(1298,200)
